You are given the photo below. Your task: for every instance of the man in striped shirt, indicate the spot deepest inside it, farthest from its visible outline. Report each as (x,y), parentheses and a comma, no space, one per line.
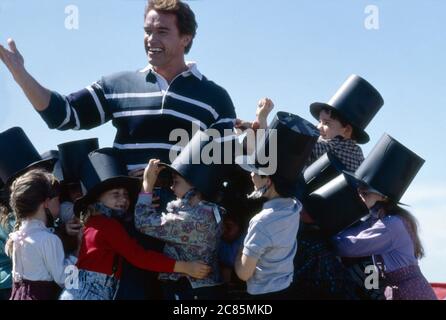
(144,106)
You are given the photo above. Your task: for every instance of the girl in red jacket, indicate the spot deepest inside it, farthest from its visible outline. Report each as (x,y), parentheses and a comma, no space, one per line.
(105,242)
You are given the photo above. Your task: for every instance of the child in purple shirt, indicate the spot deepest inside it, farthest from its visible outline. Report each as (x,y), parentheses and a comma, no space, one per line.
(390,232)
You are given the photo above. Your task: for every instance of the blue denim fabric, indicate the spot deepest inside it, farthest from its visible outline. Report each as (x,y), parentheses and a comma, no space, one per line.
(92,286)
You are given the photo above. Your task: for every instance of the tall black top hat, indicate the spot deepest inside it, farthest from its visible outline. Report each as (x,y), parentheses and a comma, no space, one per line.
(104,171)
(357,101)
(206,175)
(50,154)
(18,154)
(73,155)
(389,168)
(336,205)
(322,171)
(294,138)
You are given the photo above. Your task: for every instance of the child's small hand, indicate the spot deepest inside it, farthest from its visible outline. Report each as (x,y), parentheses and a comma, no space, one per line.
(73,226)
(196,269)
(264,107)
(155,202)
(151,174)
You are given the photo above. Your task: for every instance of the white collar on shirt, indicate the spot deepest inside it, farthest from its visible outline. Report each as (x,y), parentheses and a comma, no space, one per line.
(33,224)
(192,69)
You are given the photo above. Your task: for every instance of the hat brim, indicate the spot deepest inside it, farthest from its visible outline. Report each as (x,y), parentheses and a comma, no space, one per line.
(253,169)
(168,167)
(356,183)
(47,164)
(131,184)
(315,109)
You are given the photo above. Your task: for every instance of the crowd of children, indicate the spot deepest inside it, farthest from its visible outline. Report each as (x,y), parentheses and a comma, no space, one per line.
(68,222)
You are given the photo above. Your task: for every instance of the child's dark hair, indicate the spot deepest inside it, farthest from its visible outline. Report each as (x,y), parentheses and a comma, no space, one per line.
(5,215)
(5,210)
(390,207)
(30,190)
(335,115)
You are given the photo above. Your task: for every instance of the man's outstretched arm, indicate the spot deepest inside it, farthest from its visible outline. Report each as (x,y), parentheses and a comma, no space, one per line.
(84,109)
(38,95)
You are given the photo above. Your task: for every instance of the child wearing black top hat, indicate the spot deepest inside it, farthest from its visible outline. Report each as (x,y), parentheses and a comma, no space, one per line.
(68,169)
(389,234)
(342,121)
(266,260)
(191,224)
(105,242)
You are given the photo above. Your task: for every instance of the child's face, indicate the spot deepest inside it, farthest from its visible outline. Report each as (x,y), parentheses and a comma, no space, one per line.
(330,128)
(74,192)
(258,181)
(369,198)
(179,186)
(117,199)
(53,205)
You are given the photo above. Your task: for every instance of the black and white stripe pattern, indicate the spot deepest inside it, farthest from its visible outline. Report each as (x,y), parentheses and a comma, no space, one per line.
(144,114)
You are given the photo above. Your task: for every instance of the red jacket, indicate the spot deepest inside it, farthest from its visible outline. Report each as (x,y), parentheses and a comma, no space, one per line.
(105,239)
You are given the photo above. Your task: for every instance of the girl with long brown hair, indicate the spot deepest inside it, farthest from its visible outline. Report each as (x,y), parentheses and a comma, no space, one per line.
(38,257)
(390,233)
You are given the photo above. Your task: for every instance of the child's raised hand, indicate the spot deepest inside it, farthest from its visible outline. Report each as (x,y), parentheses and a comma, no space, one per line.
(151,174)
(196,269)
(264,107)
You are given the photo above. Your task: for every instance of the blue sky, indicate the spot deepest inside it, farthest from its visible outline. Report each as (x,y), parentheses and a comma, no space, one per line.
(293,51)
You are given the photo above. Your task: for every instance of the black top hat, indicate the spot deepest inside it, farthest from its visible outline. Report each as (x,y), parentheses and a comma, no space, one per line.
(336,205)
(322,171)
(104,171)
(50,154)
(295,139)
(72,155)
(205,175)
(389,168)
(18,155)
(357,101)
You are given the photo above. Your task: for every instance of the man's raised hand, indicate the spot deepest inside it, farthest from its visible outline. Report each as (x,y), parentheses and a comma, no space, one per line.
(12,58)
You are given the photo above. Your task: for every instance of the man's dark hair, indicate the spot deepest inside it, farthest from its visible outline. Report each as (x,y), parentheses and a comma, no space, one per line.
(186,23)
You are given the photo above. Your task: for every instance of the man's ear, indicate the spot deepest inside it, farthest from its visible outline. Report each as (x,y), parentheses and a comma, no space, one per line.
(186,39)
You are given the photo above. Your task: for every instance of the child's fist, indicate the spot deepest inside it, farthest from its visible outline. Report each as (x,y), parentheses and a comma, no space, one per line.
(264,107)
(151,174)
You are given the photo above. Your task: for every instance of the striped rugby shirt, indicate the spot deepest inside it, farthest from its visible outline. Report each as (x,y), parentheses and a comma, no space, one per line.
(144,109)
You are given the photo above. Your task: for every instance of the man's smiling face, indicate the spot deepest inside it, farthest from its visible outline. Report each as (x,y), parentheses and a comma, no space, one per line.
(162,40)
